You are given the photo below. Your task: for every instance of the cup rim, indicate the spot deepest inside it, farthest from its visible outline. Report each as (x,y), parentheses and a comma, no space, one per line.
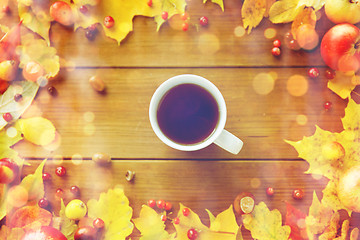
(185,79)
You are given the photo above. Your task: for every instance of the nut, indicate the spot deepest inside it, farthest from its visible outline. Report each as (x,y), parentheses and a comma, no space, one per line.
(101,158)
(129,175)
(97,83)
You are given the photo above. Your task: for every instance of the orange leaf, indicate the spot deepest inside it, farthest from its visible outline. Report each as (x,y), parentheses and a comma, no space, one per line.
(29,216)
(306,16)
(294,218)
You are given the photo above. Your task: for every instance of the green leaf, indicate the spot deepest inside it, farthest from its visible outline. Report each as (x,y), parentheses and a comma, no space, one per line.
(113,208)
(28,91)
(37,130)
(265,224)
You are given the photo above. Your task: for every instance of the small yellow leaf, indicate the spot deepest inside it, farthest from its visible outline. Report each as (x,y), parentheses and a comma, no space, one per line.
(265,224)
(218,2)
(306,16)
(34,184)
(343,83)
(67,226)
(224,221)
(252,13)
(37,130)
(113,208)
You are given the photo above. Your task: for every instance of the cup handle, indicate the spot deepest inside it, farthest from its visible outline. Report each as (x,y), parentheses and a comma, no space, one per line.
(229,142)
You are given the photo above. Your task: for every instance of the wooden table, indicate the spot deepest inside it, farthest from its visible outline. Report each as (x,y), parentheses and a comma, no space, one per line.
(206,179)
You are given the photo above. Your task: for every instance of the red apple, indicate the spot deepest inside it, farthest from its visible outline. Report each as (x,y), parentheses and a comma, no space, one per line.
(9,170)
(340,47)
(343,11)
(44,233)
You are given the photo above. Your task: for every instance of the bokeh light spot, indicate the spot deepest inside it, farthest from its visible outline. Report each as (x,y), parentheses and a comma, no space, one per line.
(255,182)
(297,85)
(301,119)
(239,31)
(89,129)
(263,83)
(89,117)
(270,33)
(208,44)
(58,159)
(11,132)
(77,159)
(54,144)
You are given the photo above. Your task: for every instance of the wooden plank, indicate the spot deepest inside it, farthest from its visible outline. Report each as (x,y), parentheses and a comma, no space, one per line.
(199,185)
(121,125)
(211,46)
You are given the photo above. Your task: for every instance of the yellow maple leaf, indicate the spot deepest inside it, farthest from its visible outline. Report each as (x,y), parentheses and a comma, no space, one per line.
(37,130)
(123,12)
(224,221)
(35,16)
(284,11)
(34,184)
(343,83)
(318,218)
(151,226)
(113,208)
(265,224)
(218,2)
(36,49)
(252,12)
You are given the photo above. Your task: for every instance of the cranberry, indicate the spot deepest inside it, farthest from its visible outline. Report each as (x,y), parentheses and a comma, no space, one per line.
(186,212)
(83,9)
(60,171)
(43,203)
(192,234)
(327,105)
(109,21)
(52,91)
(163,218)
(185,26)
(270,191)
(275,51)
(184,16)
(75,190)
(18,97)
(59,193)
(151,203)
(160,204)
(298,194)
(7,117)
(46,176)
(164,15)
(330,74)
(204,21)
(98,223)
(176,220)
(313,72)
(277,43)
(149,3)
(168,206)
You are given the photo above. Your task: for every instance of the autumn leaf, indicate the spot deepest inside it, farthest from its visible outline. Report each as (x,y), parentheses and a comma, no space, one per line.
(35,16)
(37,50)
(265,224)
(305,16)
(6,142)
(37,130)
(34,184)
(151,226)
(123,12)
(252,12)
(295,219)
(11,233)
(8,44)
(113,208)
(318,218)
(224,221)
(284,11)
(68,226)
(218,2)
(30,217)
(343,83)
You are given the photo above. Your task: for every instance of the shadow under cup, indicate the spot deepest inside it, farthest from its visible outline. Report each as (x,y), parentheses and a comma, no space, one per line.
(187,112)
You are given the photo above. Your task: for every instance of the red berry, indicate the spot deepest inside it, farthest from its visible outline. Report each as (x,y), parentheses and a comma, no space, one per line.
(275,51)
(327,105)
(168,206)
(75,190)
(109,21)
(6,9)
(186,212)
(160,204)
(59,193)
(149,3)
(185,26)
(18,97)
(184,16)
(270,191)
(164,15)
(83,9)
(293,45)
(92,27)
(176,220)
(330,74)
(192,234)
(60,171)
(204,21)
(46,176)
(43,203)
(163,218)
(151,203)
(7,117)
(52,91)
(98,223)
(313,72)
(277,43)
(298,194)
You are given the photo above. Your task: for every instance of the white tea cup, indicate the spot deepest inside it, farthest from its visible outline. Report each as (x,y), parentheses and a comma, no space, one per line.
(217,134)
